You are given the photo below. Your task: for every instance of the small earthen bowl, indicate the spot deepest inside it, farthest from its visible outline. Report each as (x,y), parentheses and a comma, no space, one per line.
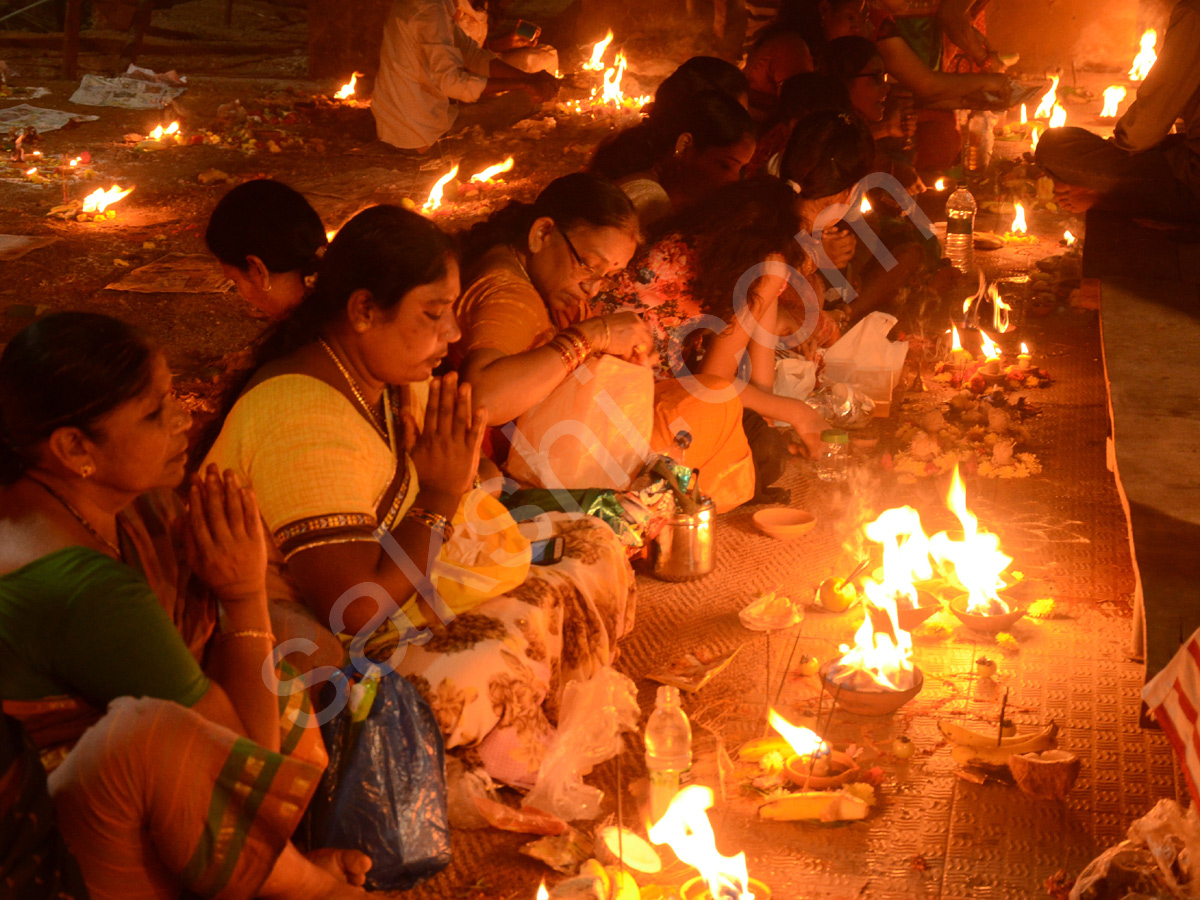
(843,771)
(783,522)
(984,624)
(871,703)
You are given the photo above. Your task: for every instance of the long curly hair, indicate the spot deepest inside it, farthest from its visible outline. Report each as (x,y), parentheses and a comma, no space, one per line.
(736,228)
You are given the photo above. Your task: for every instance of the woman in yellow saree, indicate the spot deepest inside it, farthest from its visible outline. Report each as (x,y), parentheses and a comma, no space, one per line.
(377,528)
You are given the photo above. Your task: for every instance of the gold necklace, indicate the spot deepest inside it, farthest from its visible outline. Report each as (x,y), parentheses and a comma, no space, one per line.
(383,426)
(80,519)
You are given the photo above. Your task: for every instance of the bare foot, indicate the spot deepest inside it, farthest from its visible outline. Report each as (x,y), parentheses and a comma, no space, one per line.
(1074,199)
(349,866)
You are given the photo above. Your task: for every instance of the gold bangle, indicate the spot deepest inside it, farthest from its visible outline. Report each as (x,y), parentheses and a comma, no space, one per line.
(607,333)
(582,344)
(568,358)
(433,521)
(247,633)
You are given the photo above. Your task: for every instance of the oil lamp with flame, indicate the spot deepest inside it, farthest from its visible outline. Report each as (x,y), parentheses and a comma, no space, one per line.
(1112,99)
(486,176)
(1146,57)
(436,193)
(1049,100)
(346,91)
(977,566)
(99,200)
(991,355)
(686,829)
(1025,358)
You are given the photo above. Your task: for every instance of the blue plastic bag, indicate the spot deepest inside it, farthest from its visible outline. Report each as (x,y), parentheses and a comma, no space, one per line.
(384,792)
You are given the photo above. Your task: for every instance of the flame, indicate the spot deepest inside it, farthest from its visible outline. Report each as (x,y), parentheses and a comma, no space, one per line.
(940,184)
(612,82)
(1112,98)
(1068,237)
(1048,101)
(1058,118)
(1033,139)
(955,343)
(99,200)
(977,560)
(1024,349)
(542,893)
(1024,114)
(686,828)
(159,132)
(1144,61)
(74,162)
(905,551)
(32,171)
(435,195)
(330,235)
(1018,223)
(865,206)
(596,63)
(990,350)
(803,741)
(1000,310)
(347,90)
(492,171)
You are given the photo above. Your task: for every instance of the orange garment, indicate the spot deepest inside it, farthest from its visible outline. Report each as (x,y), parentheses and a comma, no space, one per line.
(501,310)
(719,448)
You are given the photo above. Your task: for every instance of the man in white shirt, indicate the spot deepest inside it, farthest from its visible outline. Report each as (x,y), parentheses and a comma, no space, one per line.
(1144,169)
(433,79)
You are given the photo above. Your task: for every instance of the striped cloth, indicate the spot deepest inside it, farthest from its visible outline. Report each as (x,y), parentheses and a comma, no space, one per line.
(1173,696)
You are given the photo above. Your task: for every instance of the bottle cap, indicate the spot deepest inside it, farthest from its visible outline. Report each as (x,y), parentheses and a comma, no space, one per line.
(835,436)
(668,695)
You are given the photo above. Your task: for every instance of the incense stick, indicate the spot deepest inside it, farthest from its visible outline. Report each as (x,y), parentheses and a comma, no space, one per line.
(1000,730)
(620,809)
(812,760)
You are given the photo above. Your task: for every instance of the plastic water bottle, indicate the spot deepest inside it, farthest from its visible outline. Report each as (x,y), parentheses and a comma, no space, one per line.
(960,229)
(668,749)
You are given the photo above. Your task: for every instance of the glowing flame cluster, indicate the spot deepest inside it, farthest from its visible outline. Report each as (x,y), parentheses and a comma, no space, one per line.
(884,657)
(609,92)
(1146,57)
(686,828)
(346,91)
(1112,99)
(99,200)
(486,176)
(1058,117)
(1018,223)
(159,132)
(976,560)
(439,188)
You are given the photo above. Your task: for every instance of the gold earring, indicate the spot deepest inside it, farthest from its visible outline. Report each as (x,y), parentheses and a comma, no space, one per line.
(360,327)
(87,471)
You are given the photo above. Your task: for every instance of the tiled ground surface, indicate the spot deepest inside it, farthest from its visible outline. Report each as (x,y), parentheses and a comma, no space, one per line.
(1067,535)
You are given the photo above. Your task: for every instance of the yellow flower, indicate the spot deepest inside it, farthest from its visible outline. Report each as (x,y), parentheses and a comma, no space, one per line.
(1045,608)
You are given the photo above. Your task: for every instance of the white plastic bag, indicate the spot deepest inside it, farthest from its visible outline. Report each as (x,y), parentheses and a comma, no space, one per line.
(796,378)
(593,431)
(865,358)
(593,715)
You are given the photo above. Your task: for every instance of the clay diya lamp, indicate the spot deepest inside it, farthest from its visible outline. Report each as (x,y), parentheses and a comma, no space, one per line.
(830,771)
(697,889)
(875,700)
(984,624)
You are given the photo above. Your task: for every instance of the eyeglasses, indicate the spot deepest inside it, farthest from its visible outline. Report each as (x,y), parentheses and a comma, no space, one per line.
(594,277)
(877,77)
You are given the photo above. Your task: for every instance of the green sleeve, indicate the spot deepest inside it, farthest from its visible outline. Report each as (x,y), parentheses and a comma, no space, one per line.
(117,641)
